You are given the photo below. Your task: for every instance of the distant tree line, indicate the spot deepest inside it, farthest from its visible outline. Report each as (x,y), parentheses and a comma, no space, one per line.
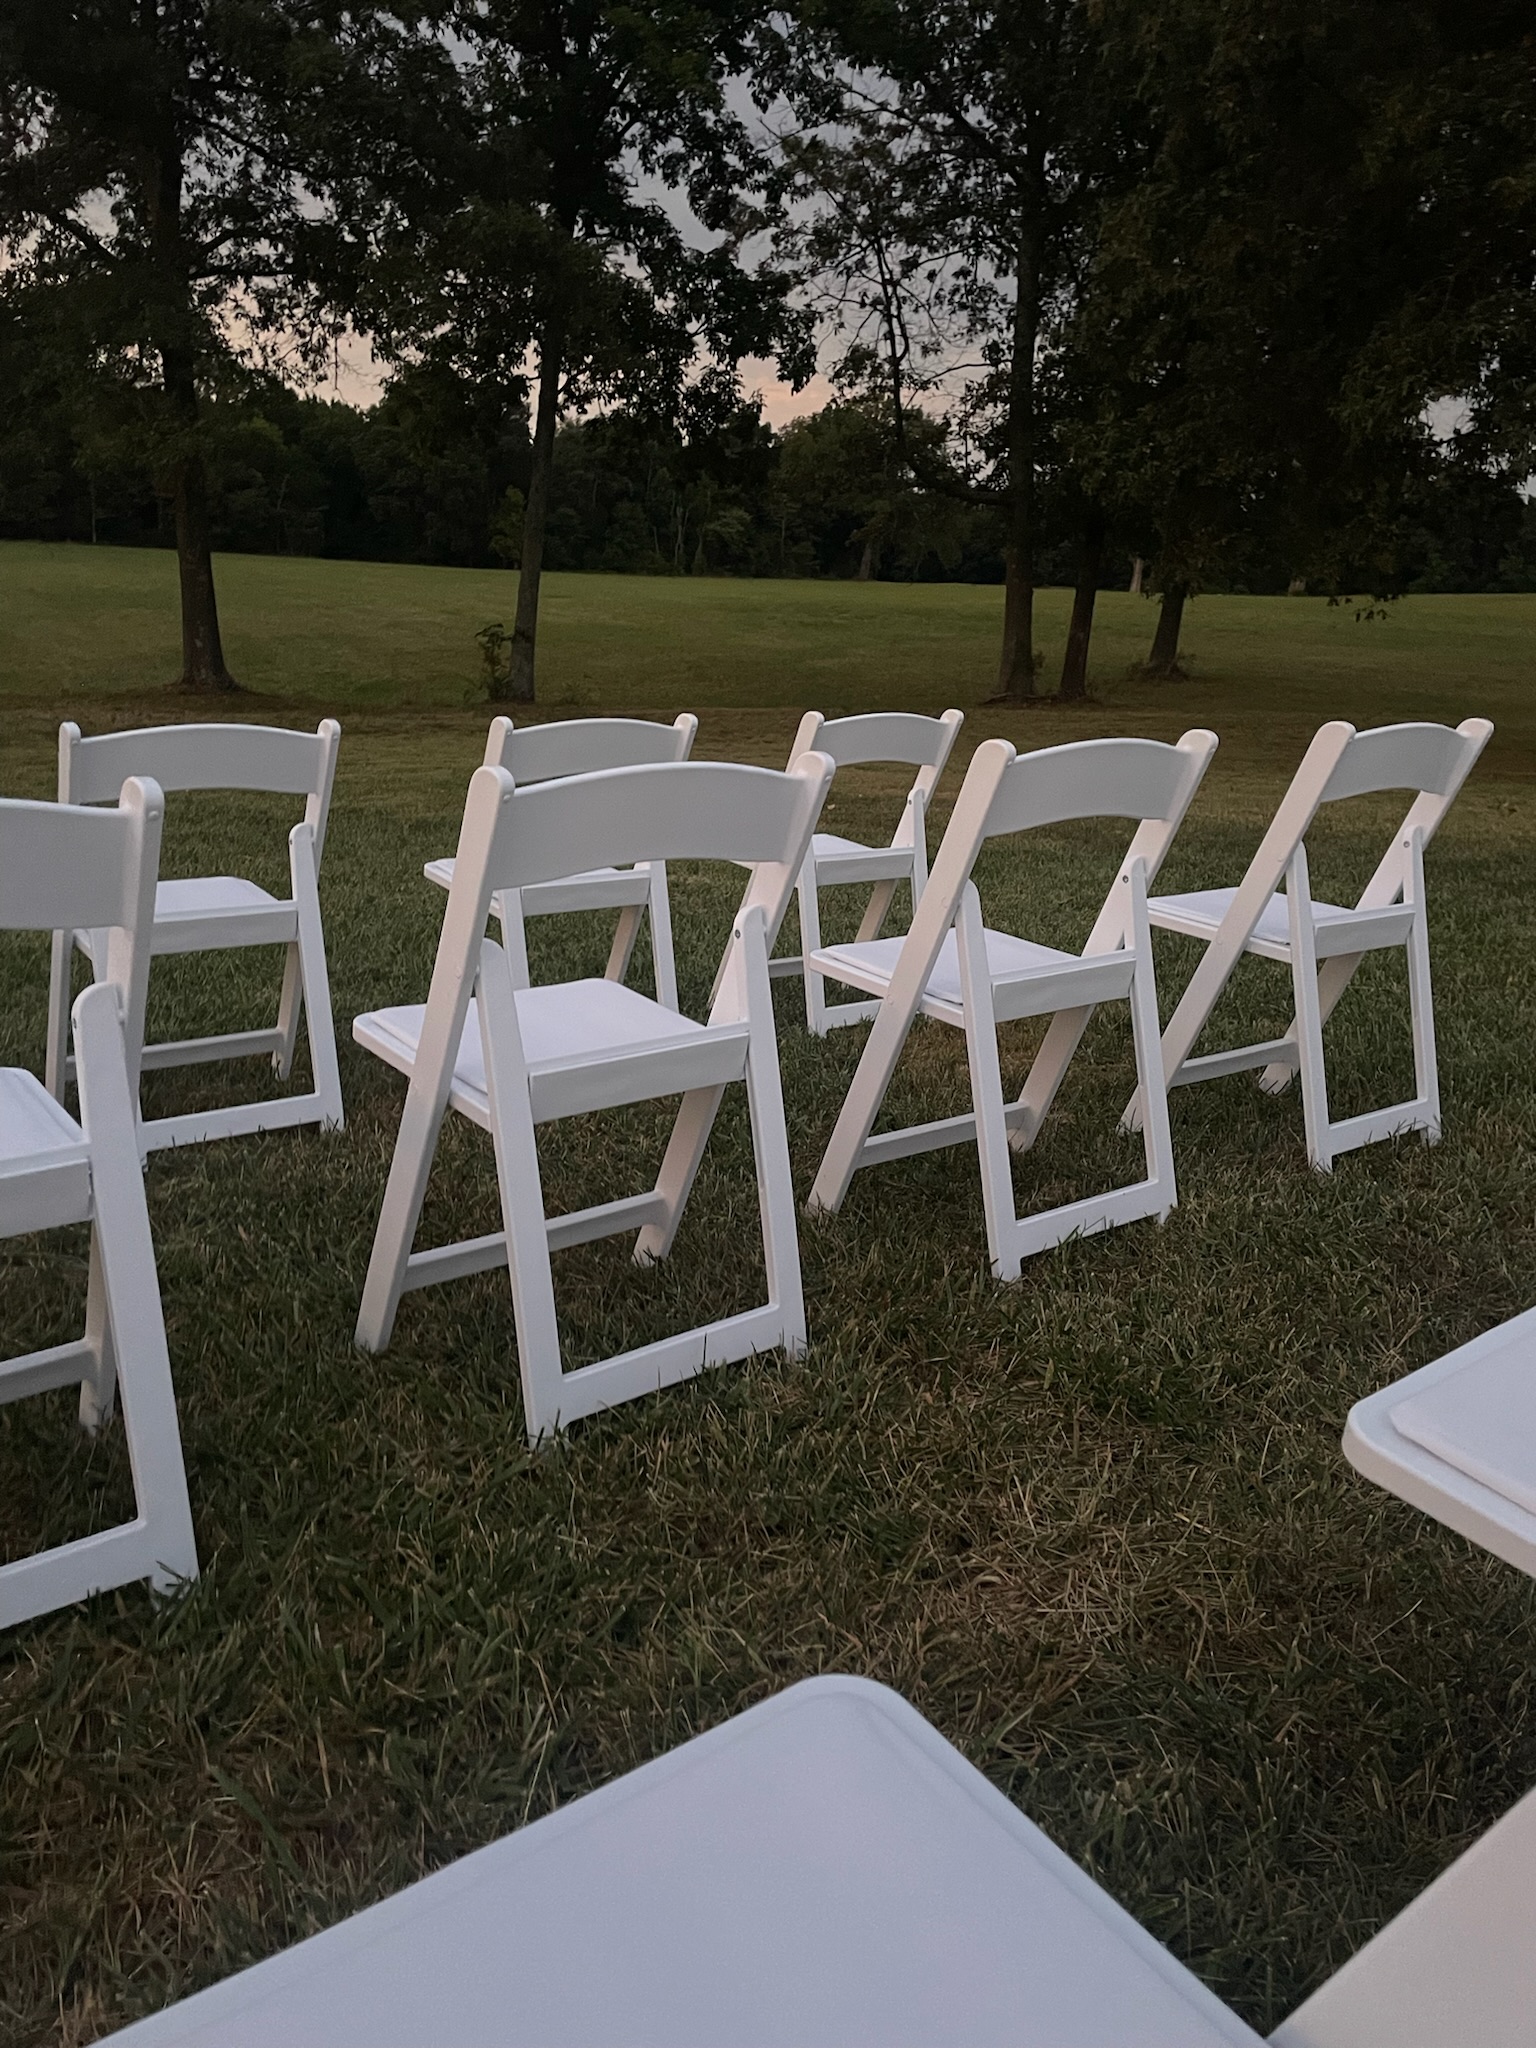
(1178,282)
(424,476)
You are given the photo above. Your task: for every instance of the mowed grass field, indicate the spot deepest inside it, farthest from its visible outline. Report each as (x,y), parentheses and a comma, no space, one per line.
(1097,1526)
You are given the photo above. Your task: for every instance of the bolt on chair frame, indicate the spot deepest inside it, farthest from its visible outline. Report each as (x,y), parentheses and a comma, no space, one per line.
(873,737)
(1321,943)
(586,746)
(510,1059)
(61,869)
(977,979)
(217,913)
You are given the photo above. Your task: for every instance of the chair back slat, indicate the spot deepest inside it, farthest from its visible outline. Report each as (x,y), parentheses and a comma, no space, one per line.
(1089,779)
(586,746)
(1431,759)
(182,757)
(904,736)
(66,869)
(693,810)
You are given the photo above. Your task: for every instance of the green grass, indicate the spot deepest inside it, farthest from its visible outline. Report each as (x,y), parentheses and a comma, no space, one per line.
(1097,1527)
(374,637)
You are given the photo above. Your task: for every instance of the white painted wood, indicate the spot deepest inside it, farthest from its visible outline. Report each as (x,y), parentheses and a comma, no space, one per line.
(1323,943)
(586,746)
(1457,1440)
(899,738)
(823,1871)
(212,913)
(61,867)
(951,968)
(510,1058)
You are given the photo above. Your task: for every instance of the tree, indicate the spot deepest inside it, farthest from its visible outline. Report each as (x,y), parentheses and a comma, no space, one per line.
(531,223)
(955,168)
(1333,224)
(144,186)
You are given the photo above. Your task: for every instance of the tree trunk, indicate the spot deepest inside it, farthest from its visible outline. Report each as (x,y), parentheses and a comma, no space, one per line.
(1016,670)
(1138,574)
(520,674)
(866,568)
(1090,560)
(202,647)
(1164,658)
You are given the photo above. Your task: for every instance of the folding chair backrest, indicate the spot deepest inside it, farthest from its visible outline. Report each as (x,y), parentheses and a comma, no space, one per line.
(63,868)
(183,757)
(1005,792)
(586,746)
(897,736)
(681,810)
(1143,779)
(1431,760)
(67,868)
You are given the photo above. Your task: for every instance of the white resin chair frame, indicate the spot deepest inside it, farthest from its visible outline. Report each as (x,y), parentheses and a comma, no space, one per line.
(995,978)
(870,738)
(1323,944)
(62,869)
(586,746)
(510,1059)
(216,913)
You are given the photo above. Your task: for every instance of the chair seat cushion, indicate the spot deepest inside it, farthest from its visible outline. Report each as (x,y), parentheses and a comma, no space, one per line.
(569,1028)
(34,1129)
(1200,914)
(873,963)
(831,843)
(210,896)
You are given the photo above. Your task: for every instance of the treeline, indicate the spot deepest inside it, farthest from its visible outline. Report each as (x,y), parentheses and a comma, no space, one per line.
(425,476)
(1186,281)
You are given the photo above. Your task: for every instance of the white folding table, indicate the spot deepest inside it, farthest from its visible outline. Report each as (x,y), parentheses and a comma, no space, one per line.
(824,1871)
(1457,1439)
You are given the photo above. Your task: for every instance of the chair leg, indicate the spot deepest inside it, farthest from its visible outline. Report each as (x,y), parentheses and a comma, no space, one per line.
(314,978)
(289,1006)
(507,909)
(61,962)
(522,1202)
(992,1151)
(1421,999)
(625,933)
(98,1389)
(663,964)
(1309,1016)
(877,910)
(679,1169)
(1152,1086)
(770,1147)
(130,1291)
(810,942)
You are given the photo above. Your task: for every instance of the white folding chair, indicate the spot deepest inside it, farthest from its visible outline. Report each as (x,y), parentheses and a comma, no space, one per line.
(951,968)
(586,746)
(96,869)
(214,913)
(1457,1440)
(1321,943)
(826,1871)
(510,1059)
(870,739)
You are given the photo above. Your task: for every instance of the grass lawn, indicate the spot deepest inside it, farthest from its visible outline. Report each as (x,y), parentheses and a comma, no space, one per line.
(1097,1527)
